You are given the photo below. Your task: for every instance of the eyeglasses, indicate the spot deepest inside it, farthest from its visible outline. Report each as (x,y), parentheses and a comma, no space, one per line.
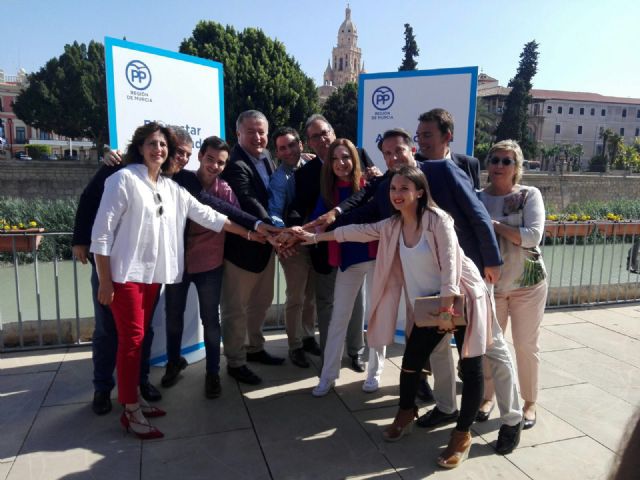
(158,199)
(319,135)
(180,152)
(505,161)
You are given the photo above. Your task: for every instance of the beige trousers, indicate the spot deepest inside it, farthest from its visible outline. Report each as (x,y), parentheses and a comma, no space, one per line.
(525,308)
(245,299)
(300,303)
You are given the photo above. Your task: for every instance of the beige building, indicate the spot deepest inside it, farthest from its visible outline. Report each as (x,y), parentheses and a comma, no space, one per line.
(559,117)
(345,64)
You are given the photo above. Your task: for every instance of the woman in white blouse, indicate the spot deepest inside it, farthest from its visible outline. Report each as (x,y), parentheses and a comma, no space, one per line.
(521,293)
(138,243)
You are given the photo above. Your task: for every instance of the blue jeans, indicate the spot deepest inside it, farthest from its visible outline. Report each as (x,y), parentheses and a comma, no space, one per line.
(105,344)
(208,285)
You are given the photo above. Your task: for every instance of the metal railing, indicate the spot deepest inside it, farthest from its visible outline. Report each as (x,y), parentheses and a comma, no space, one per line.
(48,303)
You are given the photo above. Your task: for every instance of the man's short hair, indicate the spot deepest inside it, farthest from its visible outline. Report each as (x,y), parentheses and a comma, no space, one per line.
(443,119)
(396,132)
(316,117)
(282,131)
(250,114)
(182,136)
(216,143)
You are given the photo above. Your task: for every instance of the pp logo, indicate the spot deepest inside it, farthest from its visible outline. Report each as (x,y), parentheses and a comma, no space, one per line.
(382,98)
(138,75)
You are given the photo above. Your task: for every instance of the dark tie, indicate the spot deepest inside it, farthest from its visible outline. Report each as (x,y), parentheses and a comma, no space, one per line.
(267,165)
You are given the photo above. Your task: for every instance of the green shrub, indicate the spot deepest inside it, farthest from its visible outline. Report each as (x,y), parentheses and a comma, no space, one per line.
(53,215)
(598,163)
(598,210)
(37,151)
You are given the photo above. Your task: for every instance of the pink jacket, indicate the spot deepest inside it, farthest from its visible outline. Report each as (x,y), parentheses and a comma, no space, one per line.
(458,273)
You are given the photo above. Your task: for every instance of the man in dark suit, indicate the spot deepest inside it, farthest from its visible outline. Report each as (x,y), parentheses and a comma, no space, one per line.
(435,133)
(451,190)
(247,284)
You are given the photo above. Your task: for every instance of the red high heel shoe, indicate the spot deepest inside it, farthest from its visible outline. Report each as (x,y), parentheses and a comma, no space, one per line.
(141,430)
(150,411)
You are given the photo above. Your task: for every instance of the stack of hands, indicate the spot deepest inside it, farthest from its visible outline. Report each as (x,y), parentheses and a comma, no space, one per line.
(286,240)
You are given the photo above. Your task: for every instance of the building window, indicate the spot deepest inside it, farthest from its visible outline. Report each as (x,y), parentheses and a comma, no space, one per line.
(570,110)
(624,113)
(579,129)
(603,112)
(638,113)
(637,132)
(550,109)
(593,112)
(21,135)
(622,132)
(559,109)
(557,128)
(581,110)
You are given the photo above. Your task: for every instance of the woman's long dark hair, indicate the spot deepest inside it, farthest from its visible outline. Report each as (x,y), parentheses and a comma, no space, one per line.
(133,154)
(417,177)
(328,179)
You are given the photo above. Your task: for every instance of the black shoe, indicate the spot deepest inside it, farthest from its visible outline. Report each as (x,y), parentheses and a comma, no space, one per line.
(357,365)
(298,358)
(172,372)
(310,345)
(434,418)
(263,357)
(150,393)
(212,388)
(424,392)
(508,438)
(101,403)
(528,423)
(244,375)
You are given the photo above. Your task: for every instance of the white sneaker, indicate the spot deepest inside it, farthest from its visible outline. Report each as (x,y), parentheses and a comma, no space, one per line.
(322,388)
(371,385)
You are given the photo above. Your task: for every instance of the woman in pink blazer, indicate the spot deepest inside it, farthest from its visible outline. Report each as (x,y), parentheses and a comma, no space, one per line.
(419,254)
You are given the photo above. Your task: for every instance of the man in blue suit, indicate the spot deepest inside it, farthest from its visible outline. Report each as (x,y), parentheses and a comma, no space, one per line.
(453,192)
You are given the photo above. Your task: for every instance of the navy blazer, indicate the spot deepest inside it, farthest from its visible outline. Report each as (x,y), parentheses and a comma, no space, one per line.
(452,191)
(244,179)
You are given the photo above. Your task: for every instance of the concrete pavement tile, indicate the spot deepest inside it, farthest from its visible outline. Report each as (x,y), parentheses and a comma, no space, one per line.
(560,317)
(613,319)
(349,388)
(31,362)
(630,310)
(319,435)
(21,397)
(4,469)
(552,376)
(73,382)
(103,463)
(603,340)
(611,375)
(591,410)
(190,413)
(574,459)
(549,428)
(414,456)
(233,454)
(550,341)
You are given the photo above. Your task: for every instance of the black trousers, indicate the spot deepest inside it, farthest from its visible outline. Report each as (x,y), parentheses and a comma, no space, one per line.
(420,344)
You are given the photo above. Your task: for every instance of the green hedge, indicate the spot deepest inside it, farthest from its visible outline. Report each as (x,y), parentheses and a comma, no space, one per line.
(53,215)
(38,151)
(597,210)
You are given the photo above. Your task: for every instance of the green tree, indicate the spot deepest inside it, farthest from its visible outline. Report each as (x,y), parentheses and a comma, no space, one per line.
(605,135)
(485,123)
(615,144)
(68,95)
(514,119)
(258,74)
(341,109)
(410,49)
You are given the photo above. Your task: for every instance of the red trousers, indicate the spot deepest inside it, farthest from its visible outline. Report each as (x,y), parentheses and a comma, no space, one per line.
(132,307)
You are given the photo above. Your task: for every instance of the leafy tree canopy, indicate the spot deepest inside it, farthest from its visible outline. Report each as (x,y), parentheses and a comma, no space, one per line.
(68,95)
(341,109)
(258,74)
(410,49)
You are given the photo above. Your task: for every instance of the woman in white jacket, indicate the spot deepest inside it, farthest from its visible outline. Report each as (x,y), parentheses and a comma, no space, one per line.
(419,253)
(138,243)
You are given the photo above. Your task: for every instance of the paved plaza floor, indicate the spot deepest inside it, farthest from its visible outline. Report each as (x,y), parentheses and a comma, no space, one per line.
(589,395)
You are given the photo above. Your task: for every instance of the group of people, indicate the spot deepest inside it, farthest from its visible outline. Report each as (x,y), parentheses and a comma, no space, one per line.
(351,241)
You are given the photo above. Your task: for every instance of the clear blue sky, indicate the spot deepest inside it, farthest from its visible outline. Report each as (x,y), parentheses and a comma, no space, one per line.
(589,45)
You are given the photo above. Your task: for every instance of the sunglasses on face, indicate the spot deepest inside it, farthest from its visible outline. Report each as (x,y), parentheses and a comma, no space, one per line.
(505,161)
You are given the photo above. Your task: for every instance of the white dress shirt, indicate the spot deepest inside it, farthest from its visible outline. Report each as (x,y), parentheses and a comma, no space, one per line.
(141,226)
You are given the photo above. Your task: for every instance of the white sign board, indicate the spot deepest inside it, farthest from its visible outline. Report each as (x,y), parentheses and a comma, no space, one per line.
(396,99)
(146,83)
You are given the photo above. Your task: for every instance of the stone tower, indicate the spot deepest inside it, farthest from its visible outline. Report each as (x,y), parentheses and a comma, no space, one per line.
(346,62)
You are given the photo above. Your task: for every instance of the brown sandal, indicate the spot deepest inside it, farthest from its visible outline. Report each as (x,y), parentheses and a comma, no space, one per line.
(457,450)
(402,425)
